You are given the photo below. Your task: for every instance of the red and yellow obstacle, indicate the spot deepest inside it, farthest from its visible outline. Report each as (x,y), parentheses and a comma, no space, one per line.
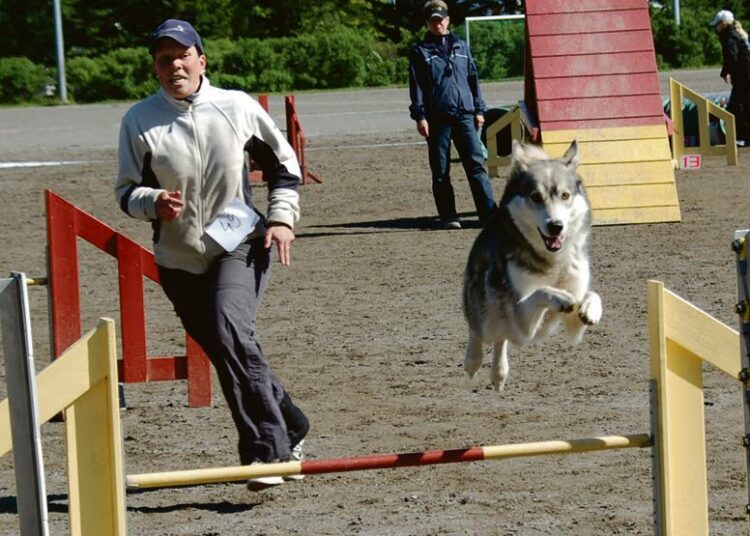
(83,383)
(591,75)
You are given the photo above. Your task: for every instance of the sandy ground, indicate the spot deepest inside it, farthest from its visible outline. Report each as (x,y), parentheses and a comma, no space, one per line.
(366,331)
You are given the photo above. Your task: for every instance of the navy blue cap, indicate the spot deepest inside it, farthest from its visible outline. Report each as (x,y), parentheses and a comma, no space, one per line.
(179,30)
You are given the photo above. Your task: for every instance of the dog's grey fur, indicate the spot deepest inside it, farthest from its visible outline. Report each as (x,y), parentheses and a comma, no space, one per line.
(528,271)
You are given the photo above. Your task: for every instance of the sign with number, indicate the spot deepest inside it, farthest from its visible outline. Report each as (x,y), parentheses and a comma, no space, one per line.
(232,225)
(690,161)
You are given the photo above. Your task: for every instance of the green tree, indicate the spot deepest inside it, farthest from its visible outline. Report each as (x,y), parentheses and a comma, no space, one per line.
(27,28)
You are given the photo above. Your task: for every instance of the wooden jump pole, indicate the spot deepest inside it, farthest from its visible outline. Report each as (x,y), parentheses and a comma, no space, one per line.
(193,477)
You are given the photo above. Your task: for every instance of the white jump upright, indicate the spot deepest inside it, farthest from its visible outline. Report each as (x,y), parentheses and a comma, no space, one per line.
(15,322)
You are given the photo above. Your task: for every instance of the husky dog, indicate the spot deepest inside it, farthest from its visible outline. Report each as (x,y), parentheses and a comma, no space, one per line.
(528,271)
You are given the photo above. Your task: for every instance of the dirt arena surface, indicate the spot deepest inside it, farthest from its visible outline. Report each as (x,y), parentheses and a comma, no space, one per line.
(366,331)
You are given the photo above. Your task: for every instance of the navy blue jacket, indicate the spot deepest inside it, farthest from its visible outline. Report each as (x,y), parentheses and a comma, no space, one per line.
(443,83)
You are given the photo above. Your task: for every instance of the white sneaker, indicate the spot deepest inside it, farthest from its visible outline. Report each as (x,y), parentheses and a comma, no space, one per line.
(296,456)
(263,482)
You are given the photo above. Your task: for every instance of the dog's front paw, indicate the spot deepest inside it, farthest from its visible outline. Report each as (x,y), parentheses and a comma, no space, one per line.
(560,300)
(590,310)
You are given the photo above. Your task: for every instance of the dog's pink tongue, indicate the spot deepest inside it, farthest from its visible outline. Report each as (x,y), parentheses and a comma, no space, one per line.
(556,243)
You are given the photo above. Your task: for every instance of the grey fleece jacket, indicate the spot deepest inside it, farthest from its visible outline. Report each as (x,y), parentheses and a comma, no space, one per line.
(199,148)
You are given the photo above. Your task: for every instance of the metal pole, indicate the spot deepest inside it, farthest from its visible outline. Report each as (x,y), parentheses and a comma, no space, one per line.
(60,53)
(676,9)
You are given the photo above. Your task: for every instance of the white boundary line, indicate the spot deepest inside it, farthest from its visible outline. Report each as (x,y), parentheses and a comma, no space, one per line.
(11,165)
(365,146)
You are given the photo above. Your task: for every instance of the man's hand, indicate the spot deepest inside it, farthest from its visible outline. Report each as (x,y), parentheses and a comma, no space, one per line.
(423,128)
(479,121)
(283,236)
(169,205)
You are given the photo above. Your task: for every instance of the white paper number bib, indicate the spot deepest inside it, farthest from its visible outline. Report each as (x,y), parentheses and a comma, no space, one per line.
(232,225)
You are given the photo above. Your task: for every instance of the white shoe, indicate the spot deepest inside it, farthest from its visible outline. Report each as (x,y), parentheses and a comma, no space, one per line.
(263,482)
(451,224)
(296,456)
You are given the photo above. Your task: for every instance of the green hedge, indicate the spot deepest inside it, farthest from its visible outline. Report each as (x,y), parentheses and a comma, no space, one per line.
(21,80)
(338,57)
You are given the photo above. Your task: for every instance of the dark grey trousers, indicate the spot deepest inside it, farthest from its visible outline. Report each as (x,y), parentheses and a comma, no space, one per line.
(218,309)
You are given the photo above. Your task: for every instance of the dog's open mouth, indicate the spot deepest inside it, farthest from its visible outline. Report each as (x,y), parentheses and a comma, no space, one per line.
(552,243)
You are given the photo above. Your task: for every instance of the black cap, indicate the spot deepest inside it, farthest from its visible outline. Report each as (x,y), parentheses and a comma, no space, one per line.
(435,11)
(179,30)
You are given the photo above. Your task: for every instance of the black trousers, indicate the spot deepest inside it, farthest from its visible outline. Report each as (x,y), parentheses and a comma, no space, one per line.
(218,309)
(739,105)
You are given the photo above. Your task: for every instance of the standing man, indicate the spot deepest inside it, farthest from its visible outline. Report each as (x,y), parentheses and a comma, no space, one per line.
(447,104)
(735,70)
(182,167)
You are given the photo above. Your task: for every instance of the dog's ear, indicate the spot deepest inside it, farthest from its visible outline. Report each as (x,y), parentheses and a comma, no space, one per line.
(523,155)
(570,158)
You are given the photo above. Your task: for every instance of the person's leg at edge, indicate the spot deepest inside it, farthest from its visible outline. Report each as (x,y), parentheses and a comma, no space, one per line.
(734,106)
(240,280)
(296,422)
(439,147)
(190,295)
(470,150)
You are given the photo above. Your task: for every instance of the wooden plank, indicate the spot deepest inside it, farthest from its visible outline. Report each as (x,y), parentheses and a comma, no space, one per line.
(630,215)
(539,7)
(95,232)
(605,134)
(596,21)
(623,151)
(198,374)
(62,260)
(167,368)
(615,107)
(599,108)
(592,43)
(132,310)
(594,64)
(96,493)
(547,126)
(6,444)
(597,86)
(701,334)
(682,491)
(632,196)
(615,174)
